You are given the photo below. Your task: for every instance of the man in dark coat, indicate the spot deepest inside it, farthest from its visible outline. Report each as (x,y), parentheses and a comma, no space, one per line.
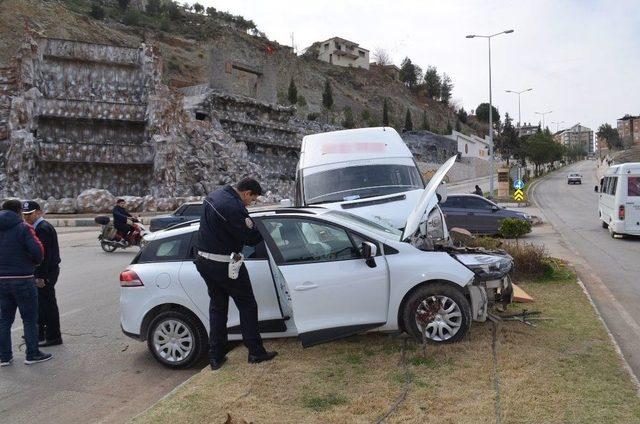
(20,252)
(225,228)
(120,218)
(46,275)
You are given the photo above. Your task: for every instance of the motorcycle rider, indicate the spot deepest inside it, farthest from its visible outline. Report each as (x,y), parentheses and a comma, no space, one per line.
(121,217)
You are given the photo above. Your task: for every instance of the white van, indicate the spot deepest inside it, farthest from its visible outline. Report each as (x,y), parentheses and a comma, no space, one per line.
(367,171)
(619,204)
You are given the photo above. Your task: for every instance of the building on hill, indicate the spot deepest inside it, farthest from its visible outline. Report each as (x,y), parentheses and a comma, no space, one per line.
(341,52)
(629,129)
(470,146)
(391,70)
(527,129)
(577,135)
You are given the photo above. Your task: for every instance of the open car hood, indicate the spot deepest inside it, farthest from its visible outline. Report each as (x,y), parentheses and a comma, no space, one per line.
(428,199)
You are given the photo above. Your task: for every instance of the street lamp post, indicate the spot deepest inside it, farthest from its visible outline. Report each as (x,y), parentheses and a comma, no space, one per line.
(518,93)
(489,37)
(557,124)
(543,114)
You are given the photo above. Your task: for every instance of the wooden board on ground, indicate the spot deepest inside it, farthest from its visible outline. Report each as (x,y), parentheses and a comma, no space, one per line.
(520,295)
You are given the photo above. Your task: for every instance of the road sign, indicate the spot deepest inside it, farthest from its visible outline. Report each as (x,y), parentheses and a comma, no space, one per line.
(518,195)
(518,184)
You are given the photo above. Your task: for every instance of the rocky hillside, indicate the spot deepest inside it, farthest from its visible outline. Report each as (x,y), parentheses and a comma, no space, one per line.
(184,39)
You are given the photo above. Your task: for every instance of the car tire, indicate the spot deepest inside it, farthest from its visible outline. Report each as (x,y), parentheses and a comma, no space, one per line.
(184,337)
(605,225)
(451,299)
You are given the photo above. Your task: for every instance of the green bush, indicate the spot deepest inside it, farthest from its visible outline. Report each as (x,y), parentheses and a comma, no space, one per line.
(97,12)
(348,121)
(131,18)
(302,101)
(513,228)
(313,116)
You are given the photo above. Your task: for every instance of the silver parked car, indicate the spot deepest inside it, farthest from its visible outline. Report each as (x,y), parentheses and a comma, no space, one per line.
(574,178)
(476,214)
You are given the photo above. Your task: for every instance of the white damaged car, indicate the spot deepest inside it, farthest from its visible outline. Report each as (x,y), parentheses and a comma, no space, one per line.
(319,275)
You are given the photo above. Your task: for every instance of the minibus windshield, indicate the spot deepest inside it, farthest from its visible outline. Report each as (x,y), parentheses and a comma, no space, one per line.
(359,182)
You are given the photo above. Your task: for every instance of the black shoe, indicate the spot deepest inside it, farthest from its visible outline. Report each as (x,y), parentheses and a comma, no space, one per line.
(263,357)
(217,363)
(39,357)
(54,342)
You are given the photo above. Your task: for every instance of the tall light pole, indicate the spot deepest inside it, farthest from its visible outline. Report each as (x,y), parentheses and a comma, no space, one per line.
(557,124)
(489,37)
(518,93)
(543,114)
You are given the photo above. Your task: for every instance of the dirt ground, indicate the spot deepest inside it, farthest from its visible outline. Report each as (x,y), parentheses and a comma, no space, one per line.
(564,370)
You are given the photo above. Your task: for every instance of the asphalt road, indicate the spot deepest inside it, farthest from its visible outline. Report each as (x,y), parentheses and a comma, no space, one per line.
(98,374)
(609,268)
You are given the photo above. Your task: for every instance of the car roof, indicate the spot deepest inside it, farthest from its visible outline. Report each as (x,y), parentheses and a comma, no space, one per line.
(624,167)
(194,225)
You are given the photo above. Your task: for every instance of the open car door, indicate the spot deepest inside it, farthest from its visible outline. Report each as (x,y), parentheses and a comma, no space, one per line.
(320,268)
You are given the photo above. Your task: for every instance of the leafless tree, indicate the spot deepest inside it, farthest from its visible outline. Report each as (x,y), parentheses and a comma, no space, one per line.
(381,57)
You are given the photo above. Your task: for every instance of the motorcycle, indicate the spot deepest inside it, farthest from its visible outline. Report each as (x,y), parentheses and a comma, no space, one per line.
(111,239)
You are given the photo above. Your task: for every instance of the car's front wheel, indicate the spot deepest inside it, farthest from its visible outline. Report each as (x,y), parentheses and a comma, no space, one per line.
(176,339)
(438,311)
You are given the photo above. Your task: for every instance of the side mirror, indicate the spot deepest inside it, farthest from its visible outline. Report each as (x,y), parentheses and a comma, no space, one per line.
(286,203)
(495,208)
(369,252)
(595,189)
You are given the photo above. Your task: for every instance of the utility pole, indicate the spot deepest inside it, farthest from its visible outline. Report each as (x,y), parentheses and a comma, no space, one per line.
(518,93)
(488,37)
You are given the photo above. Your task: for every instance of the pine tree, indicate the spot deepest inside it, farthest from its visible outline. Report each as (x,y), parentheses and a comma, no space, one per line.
(408,123)
(293,92)
(348,118)
(449,128)
(327,95)
(446,87)
(425,121)
(433,83)
(385,113)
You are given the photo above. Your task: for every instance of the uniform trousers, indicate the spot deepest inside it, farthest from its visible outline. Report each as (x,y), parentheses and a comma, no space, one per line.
(221,287)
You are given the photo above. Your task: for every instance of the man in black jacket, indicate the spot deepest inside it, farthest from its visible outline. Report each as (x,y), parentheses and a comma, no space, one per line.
(46,275)
(225,228)
(20,251)
(120,217)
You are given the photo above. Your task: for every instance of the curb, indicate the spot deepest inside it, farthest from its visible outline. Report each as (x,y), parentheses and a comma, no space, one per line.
(84,222)
(625,364)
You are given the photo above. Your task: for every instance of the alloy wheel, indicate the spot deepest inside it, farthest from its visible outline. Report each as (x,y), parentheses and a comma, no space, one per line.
(173,341)
(439,318)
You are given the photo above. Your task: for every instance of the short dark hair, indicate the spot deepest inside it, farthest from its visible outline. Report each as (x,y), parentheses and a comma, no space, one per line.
(120,200)
(249,184)
(12,205)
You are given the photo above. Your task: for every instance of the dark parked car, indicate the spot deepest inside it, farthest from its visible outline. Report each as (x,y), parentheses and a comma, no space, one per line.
(476,214)
(186,212)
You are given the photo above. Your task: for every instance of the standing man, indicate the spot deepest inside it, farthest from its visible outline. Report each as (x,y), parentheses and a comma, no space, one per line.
(225,228)
(46,275)
(20,252)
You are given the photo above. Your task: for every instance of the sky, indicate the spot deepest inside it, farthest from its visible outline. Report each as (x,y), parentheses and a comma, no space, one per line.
(581,57)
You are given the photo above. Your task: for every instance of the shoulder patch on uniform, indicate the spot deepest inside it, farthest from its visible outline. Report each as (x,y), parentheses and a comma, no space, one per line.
(248,222)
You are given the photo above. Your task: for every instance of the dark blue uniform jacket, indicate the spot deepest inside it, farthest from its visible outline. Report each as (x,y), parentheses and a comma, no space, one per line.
(120,216)
(49,238)
(223,224)
(20,249)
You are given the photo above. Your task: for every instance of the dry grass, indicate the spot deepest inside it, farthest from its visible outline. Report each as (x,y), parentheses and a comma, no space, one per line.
(563,371)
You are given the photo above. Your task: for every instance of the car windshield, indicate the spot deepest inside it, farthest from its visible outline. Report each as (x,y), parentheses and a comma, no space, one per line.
(382,230)
(359,182)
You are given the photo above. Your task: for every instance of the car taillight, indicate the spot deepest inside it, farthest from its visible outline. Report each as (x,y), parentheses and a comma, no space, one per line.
(129,278)
(621,212)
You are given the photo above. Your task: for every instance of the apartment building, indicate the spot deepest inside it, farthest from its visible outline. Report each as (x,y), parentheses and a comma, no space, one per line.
(578,135)
(629,129)
(341,52)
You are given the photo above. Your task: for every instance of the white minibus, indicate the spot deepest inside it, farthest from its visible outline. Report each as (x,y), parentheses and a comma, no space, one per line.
(619,204)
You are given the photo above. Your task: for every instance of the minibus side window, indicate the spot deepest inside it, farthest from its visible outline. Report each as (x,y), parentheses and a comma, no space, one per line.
(612,185)
(605,185)
(633,186)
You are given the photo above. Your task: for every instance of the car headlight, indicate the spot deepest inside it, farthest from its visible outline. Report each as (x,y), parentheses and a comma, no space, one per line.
(435,227)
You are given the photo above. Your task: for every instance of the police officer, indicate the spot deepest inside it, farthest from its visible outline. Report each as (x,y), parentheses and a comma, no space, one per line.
(46,275)
(121,217)
(225,228)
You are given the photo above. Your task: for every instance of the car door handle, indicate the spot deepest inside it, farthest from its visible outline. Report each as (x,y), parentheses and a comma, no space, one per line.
(306,286)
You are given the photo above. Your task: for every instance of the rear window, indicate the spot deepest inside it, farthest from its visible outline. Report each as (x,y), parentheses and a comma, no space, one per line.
(192,210)
(633,186)
(166,249)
